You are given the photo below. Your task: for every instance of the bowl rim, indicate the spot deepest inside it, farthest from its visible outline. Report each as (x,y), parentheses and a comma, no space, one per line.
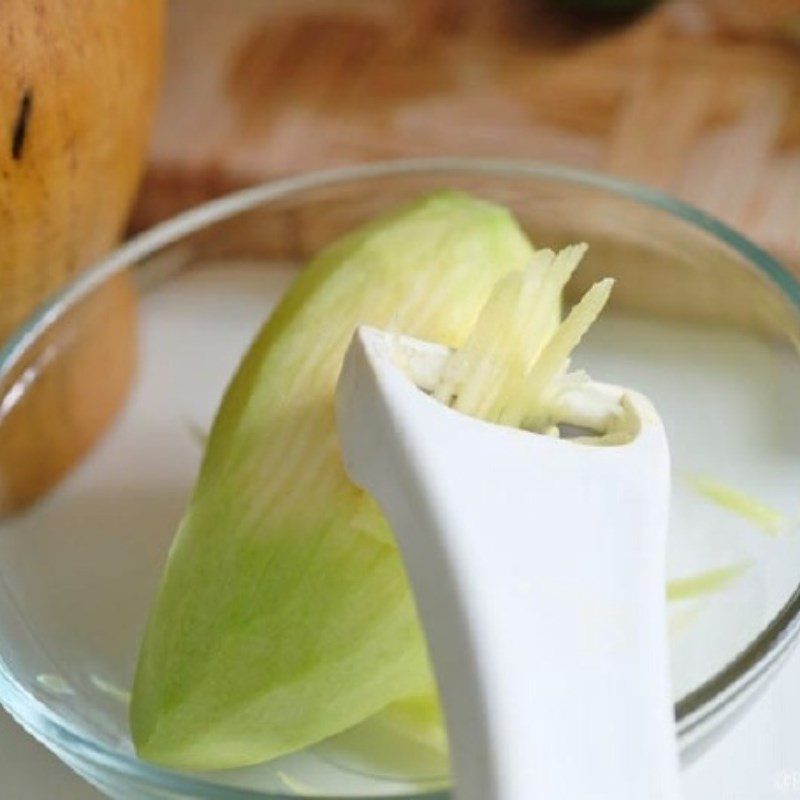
(726,689)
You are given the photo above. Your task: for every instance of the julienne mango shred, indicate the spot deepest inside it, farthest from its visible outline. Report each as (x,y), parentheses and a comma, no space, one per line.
(514,363)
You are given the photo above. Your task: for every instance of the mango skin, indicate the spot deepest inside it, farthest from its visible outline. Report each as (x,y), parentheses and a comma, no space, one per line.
(284,615)
(80,82)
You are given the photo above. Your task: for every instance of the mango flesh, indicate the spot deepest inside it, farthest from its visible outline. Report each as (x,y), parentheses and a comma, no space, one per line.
(284,614)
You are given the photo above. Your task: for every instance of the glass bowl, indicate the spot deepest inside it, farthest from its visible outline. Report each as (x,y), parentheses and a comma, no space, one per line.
(702,320)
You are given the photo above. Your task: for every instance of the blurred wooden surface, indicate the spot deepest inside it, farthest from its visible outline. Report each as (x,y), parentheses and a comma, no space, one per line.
(698,97)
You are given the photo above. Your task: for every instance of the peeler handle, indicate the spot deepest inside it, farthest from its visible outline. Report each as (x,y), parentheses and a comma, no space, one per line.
(538,569)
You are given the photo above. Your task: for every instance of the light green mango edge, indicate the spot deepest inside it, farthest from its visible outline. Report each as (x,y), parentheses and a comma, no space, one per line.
(284,614)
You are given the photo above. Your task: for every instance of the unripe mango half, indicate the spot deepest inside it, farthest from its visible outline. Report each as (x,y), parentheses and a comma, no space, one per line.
(284,615)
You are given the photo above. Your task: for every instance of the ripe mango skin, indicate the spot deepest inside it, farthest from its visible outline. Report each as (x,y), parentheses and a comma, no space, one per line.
(284,615)
(79,86)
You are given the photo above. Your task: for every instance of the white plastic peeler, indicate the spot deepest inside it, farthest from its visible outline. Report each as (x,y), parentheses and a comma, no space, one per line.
(538,566)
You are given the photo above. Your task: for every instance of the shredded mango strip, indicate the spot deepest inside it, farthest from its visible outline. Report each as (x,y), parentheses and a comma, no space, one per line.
(737,502)
(517,356)
(531,406)
(705,583)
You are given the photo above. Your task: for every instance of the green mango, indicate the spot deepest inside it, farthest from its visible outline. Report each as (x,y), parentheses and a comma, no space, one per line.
(284,615)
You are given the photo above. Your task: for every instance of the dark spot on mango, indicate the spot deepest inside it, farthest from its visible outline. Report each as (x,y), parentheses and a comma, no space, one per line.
(20,131)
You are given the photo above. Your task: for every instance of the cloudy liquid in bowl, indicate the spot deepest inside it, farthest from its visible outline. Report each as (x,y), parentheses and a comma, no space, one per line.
(726,398)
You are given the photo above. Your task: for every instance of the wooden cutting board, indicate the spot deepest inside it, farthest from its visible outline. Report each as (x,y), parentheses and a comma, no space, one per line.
(698,97)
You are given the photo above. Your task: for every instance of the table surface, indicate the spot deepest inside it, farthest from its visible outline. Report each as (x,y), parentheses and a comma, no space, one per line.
(697,97)
(758,760)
